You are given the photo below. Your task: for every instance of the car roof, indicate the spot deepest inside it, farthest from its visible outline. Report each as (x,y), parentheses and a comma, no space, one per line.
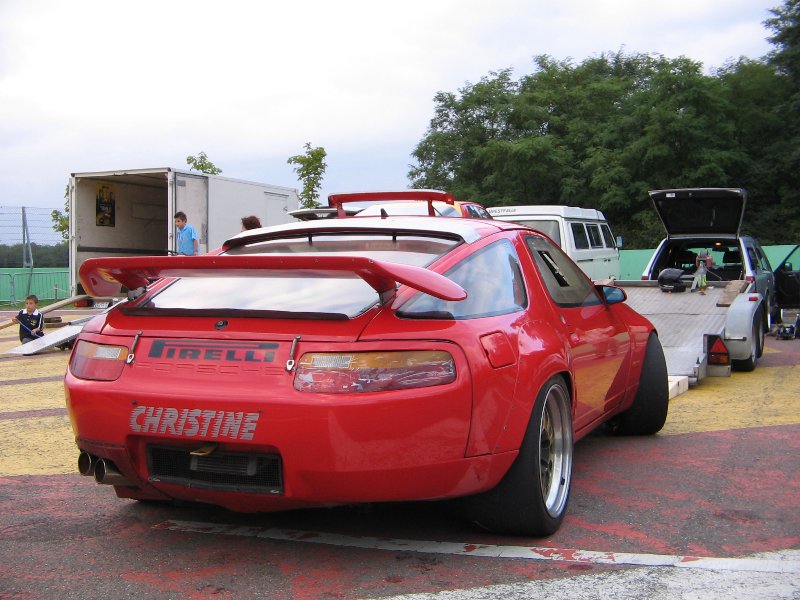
(545,211)
(469,230)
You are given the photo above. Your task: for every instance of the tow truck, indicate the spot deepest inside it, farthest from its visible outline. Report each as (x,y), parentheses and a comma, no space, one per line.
(720,327)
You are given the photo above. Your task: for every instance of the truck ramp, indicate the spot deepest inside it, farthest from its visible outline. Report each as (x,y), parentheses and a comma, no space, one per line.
(61,336)
(681,320)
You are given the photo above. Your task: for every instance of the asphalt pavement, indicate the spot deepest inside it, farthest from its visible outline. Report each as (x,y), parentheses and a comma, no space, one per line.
(708,508)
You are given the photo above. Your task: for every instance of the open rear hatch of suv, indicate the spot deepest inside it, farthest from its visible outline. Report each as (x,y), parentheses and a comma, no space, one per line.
(700,211)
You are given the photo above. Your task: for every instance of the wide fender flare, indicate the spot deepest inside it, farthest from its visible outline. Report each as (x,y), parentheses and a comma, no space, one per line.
(739,323)
(639,337)
(538,363)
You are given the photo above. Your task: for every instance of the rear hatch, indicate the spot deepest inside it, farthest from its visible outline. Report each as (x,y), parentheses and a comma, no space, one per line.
(700,211)
(252,294)
(235,335)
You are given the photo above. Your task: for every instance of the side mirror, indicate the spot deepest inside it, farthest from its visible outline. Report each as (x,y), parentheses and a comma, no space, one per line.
(620,241)
(612,294)
(787,266)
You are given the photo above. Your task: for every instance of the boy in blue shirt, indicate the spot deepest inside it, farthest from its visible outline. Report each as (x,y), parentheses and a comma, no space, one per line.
(187,236)
(31,321)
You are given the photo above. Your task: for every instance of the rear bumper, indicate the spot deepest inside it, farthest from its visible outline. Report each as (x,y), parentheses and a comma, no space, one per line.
(388,446)
(315,488)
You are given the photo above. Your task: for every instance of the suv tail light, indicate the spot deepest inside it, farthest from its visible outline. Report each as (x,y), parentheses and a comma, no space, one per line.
(345,373)
(99,362)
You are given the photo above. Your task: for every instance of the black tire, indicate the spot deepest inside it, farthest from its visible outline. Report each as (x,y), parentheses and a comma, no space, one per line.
(532,498)
(760,317)
(648,413)
(773,315)
(756,346)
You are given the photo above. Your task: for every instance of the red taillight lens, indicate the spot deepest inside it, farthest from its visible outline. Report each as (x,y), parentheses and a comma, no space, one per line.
(344,373)
(99,362)
(718,353)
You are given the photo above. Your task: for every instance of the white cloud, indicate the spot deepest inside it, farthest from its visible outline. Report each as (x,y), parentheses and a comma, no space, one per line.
(93,85)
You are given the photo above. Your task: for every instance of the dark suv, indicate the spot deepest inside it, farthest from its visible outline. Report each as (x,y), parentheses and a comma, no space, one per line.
(710,219)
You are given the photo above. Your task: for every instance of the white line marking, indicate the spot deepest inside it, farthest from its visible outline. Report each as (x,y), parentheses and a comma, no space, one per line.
(465,549)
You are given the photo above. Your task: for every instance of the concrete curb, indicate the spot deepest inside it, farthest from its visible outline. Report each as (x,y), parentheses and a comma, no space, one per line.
(677,385)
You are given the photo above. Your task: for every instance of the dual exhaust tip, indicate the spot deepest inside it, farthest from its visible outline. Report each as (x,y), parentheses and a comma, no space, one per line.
(103,470)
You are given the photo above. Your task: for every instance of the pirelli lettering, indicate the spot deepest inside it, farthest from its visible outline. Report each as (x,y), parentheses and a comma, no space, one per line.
(207,351)
(194,422)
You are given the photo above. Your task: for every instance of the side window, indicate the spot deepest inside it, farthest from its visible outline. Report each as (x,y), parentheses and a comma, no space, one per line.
(594,235)
(763,260)
(751,253)
(565,282)
(492,279)
(580,237)
(608,236)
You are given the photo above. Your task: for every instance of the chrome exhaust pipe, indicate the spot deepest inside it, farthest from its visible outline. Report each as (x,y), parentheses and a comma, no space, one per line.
(106,472)
(86,463)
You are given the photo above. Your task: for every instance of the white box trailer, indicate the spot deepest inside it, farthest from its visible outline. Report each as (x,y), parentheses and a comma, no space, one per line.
(130,212)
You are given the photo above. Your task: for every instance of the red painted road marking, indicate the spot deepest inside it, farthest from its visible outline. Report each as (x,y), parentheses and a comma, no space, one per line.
(491,551)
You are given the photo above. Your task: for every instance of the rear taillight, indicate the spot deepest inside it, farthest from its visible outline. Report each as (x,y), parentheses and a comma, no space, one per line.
(342,373)
(99,362)
(717,351)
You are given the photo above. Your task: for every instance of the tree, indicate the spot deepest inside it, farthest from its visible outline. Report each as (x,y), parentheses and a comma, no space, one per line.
(202,164)
(452,155)
(310,168)
(56,255)
(785,26)
(61,219)
(602,133)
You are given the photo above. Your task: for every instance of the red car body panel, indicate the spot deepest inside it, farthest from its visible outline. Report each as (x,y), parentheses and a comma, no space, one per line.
(191,382)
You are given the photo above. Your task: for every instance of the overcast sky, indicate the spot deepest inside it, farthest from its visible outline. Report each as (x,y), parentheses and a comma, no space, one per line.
(100,85)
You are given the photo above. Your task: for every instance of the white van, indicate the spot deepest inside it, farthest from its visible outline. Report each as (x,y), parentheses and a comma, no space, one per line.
(582,233)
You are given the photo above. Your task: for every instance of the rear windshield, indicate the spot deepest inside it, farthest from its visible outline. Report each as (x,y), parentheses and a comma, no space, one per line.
(299,294)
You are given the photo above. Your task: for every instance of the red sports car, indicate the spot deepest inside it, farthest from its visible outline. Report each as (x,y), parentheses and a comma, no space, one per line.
(359,360)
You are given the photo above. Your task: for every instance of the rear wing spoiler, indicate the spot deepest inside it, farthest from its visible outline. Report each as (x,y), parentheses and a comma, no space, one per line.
(102,276)
(338,201)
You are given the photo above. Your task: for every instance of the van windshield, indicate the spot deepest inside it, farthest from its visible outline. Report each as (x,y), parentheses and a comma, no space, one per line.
(547,227)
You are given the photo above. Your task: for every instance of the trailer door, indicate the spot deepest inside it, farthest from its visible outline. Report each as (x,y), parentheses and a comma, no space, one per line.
(191,197)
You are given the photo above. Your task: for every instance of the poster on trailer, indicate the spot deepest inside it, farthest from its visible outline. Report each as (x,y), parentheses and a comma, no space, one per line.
(106,197)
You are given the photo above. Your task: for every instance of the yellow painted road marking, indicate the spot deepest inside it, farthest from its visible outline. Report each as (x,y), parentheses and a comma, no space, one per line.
(37,446)
(32,396)
(765,397)
(52,363)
